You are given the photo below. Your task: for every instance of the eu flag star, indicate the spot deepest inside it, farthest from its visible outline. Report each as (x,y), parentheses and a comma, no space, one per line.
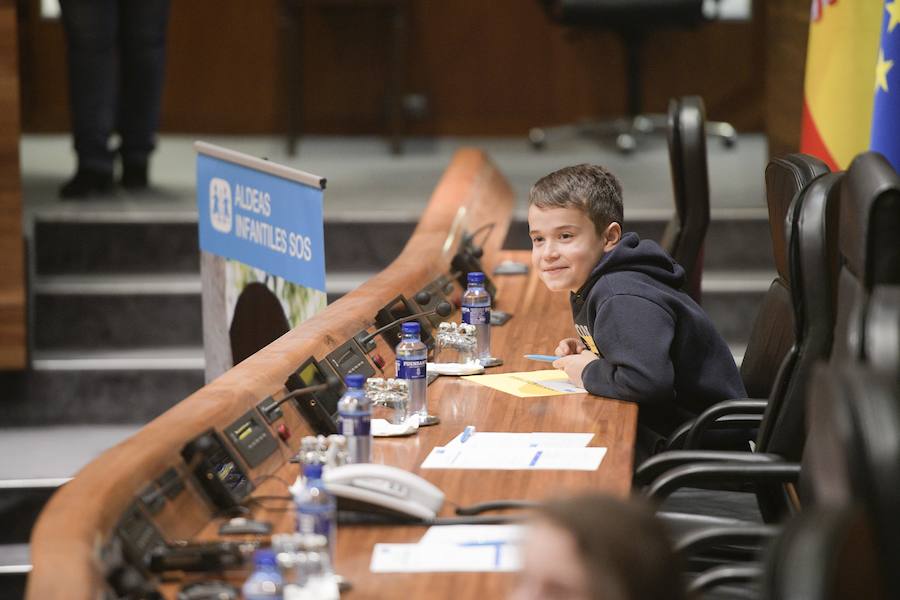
(894,11)
(881,71)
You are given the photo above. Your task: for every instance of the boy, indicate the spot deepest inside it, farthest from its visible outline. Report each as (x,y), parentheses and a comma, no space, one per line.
(641,338)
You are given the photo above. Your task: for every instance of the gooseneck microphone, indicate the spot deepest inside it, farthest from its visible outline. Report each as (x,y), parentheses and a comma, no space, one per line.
(443,309)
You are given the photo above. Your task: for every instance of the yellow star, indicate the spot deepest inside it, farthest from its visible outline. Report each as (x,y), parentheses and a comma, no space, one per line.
(881,71)
(894,10)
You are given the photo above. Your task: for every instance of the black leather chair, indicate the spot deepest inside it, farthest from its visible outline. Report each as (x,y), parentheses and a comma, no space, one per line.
(686,231)
(881,347)
(810,224)
(632,21)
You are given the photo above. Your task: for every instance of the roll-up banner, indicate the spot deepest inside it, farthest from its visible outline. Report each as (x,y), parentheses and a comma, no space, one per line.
(262,252)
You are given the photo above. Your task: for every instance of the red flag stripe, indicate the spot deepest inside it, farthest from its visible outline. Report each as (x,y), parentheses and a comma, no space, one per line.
(811,142)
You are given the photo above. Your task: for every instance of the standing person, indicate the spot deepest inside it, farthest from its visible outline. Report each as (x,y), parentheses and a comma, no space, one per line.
(116,59)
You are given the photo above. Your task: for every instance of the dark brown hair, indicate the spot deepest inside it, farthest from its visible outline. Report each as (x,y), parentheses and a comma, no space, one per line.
(591,188)
(625,550)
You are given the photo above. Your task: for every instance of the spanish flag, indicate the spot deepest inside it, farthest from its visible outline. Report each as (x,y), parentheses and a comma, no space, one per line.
(851,90)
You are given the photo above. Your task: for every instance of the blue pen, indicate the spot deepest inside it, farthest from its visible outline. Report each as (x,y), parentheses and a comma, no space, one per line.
(467,433)
(541,357)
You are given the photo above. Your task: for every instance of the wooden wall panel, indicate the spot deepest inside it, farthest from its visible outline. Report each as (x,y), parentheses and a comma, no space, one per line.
(787,29)
(12,263)
(495,67)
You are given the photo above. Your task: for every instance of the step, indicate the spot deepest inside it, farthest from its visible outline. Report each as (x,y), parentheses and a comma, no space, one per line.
(132,246)
(130,311)
(100,386)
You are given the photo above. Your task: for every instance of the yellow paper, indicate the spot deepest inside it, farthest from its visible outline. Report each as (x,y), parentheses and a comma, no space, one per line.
(525,384)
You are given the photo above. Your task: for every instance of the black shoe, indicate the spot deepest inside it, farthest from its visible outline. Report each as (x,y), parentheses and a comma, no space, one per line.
(134,176)
(87,183)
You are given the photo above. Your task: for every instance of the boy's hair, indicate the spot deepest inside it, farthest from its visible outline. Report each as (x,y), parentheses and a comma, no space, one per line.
(625,550)
(591,188)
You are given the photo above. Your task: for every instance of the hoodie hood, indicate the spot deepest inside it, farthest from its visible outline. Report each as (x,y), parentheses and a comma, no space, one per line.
(638,256)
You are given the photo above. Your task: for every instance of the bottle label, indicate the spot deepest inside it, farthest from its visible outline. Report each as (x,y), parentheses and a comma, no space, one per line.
(359,424)
(315,519)
(476,315)
(411,368)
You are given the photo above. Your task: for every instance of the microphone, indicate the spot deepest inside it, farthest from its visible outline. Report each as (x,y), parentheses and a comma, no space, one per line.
(443,309)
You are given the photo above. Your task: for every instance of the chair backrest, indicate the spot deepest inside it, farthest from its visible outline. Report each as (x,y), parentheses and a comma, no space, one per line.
(823,554)
(881,348)
(772,335)
(869,246)
(853,452)
(814,215)
(685,232)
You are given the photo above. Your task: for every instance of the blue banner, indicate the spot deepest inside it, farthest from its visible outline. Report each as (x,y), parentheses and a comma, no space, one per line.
(263,220)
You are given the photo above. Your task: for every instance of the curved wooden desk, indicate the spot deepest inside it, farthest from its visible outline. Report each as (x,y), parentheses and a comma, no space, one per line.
(78,522)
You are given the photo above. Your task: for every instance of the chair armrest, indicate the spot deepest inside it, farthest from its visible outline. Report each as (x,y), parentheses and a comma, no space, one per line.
(724,575)
(699,541)
(697,475)
(655,466)
(744,406)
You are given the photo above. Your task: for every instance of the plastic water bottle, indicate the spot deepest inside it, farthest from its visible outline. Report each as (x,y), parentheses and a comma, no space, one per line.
(316,508)
(412,355)
(476,310)
(264,582)
(355,420)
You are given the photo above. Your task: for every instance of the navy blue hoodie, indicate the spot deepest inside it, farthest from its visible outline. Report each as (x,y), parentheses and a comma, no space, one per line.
(656,346)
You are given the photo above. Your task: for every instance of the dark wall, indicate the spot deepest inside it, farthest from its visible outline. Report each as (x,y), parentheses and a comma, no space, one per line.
(494,67)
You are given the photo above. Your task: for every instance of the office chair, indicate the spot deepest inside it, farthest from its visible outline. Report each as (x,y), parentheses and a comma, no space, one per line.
(772,333)
(631,20)
(849,485)
(686,230)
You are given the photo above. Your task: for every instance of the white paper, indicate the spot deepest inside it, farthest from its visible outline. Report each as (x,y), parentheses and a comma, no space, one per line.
(384,428)
(444,557)
(473,534)
(544,439)
(463,456)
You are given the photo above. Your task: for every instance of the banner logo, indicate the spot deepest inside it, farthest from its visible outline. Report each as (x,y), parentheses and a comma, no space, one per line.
(220,205)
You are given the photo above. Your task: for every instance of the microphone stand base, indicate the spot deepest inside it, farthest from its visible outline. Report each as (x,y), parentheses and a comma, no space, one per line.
(428,420)
(490,361)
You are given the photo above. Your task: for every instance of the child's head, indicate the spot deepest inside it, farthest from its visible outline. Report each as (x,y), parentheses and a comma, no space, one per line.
(597,547)
(574,217)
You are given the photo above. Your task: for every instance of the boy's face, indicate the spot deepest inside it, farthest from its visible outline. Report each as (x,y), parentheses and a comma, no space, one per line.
(565,246)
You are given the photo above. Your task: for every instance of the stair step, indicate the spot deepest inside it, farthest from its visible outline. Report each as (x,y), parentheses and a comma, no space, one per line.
(136,247)
(120,387)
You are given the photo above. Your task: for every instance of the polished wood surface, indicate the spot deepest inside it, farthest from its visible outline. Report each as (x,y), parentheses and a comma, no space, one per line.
(12,243)
(79,519)
(787,30)
(485,68)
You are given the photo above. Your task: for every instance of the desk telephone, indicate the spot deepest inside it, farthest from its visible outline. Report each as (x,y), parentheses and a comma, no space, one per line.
(385,490)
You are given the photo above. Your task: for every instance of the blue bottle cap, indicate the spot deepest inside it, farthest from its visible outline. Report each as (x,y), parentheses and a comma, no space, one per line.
(264,558)
(476,277)
(411,328)
(312,471)
(355,381)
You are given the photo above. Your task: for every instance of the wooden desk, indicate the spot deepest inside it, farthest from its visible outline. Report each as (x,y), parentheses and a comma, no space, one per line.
(539,319)
(70,542)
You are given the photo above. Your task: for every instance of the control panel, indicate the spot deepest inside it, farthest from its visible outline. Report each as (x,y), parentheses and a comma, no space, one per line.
(399,308)
(318,409)
(252,438)
(218,472)
(348,359)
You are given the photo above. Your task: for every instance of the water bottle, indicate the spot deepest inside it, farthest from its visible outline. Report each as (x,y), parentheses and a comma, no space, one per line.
(264,582)
(476,310)
(355,420)
(411,358)
(316,508)
(321,583)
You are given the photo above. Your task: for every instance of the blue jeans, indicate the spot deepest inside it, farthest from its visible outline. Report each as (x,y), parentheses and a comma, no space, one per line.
(116,58)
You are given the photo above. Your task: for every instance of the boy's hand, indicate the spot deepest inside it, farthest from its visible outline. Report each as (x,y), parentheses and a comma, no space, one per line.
(574,365)
(569,346)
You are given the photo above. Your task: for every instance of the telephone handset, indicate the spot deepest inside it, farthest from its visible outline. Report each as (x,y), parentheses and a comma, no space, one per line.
(374,488)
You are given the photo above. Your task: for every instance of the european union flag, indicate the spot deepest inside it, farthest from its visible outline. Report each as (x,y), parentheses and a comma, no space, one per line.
(886,116)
